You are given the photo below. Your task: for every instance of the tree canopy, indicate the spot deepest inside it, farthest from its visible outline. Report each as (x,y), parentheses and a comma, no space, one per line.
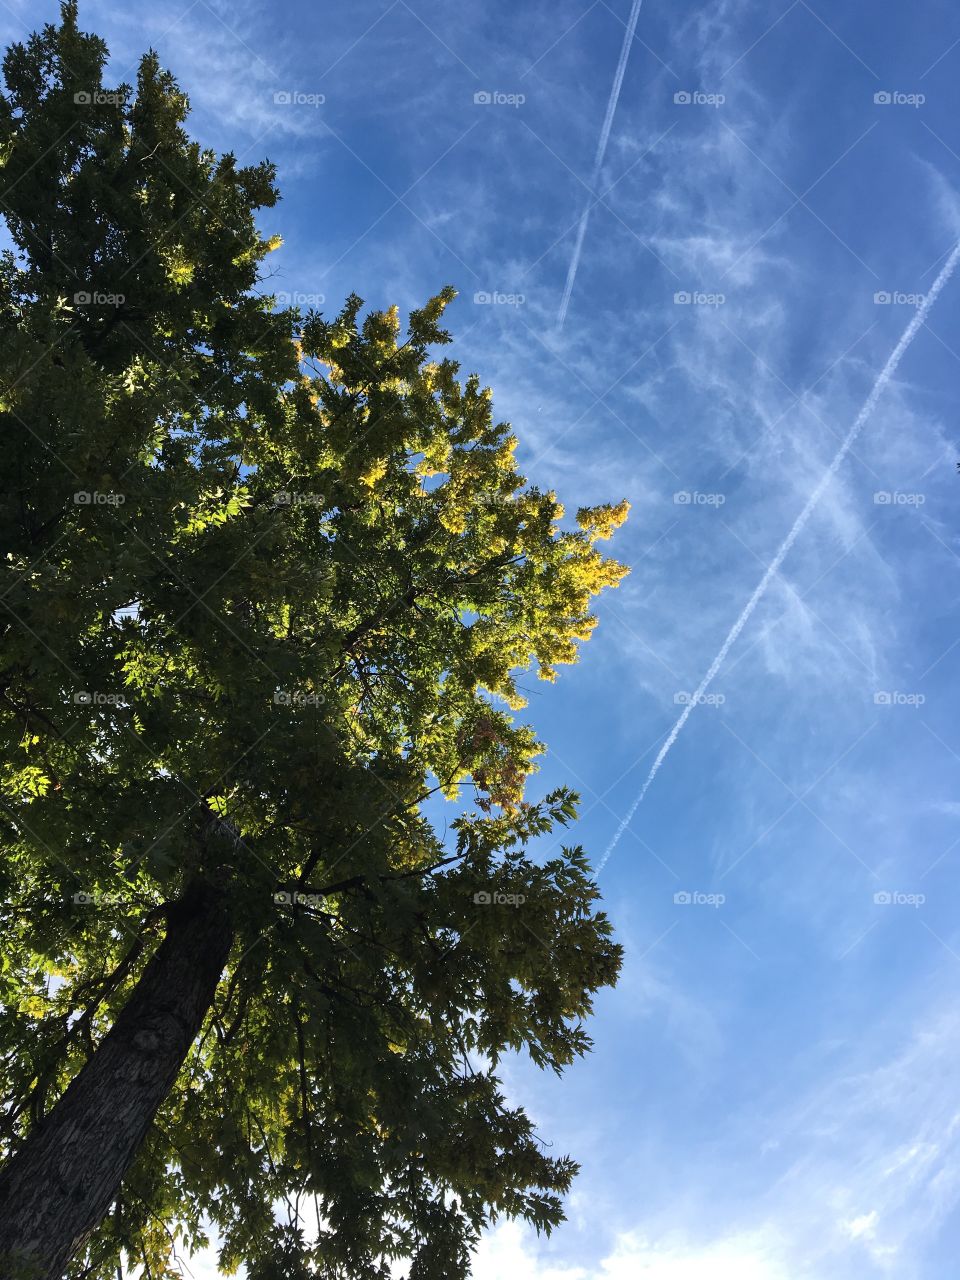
(270,581)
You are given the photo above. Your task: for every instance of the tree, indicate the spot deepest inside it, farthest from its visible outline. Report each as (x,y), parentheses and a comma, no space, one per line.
(270,583)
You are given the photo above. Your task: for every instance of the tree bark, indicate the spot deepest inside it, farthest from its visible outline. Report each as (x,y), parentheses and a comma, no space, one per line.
(59,1186)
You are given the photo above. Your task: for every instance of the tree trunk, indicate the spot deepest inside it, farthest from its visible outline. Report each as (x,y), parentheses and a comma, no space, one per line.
(61,1183)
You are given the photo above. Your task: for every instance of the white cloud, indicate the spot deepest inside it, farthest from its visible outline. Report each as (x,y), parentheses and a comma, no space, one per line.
(872,1169)
(509,1251)
(865,1225)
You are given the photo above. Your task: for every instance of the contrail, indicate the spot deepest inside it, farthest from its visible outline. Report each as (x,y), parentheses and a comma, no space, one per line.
(889,369)
(598,161)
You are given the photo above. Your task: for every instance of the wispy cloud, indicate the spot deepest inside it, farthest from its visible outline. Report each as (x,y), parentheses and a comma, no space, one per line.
(870,1169)
(796,529)
(604,138)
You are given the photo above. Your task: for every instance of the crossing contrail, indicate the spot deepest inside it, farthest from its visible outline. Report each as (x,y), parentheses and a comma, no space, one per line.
(598,161)
(886,373)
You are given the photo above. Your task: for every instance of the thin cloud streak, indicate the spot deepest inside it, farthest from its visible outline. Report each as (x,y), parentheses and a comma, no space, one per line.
(598,162)
(870,404)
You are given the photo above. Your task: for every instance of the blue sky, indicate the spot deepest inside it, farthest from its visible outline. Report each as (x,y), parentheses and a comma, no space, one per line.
(775,1090)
